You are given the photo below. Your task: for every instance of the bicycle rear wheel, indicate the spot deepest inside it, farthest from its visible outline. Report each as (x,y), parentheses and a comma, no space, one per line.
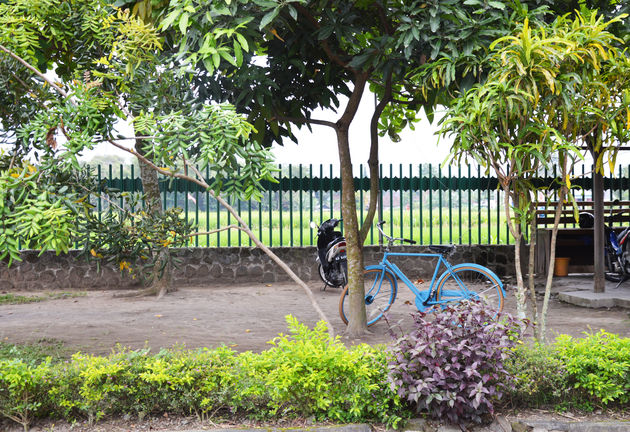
(480,283)
(379,296)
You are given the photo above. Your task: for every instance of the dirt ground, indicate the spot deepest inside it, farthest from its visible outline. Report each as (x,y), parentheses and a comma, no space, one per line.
(245,317)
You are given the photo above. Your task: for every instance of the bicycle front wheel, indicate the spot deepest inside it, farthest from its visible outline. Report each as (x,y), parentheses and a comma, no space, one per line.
(479,284)
(380,293)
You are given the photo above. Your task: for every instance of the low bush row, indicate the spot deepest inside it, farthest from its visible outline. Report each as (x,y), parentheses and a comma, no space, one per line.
(576,373)
(456,364)
(303,374)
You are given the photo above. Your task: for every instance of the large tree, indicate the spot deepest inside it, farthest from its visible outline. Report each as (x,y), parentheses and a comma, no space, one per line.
(312,51)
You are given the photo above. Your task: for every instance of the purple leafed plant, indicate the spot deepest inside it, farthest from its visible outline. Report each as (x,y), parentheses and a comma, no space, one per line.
(451,364)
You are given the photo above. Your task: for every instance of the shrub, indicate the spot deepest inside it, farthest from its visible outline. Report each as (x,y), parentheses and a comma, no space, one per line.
(452,365)
(134,382)
(183,381)
(304,374)
(22,390)
(540,378)
(308,374)
(598,364)
(88,386)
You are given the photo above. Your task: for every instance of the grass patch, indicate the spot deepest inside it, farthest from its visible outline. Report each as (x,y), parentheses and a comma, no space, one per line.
(8,299)
(11,299)
(35,353)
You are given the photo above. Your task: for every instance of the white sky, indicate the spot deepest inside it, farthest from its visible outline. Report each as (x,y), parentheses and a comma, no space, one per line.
(320,145)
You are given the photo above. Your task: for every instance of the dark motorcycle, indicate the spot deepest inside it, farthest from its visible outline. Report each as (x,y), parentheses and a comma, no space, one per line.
(332,263)
(616,249)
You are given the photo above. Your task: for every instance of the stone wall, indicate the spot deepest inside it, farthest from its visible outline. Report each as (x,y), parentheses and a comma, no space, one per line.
(207,266)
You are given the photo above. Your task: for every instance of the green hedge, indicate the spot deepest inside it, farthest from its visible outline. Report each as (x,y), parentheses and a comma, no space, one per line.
(303,374)
(577,373)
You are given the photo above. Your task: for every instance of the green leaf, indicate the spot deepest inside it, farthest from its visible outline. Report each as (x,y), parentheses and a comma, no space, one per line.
(359,60)
(183,23)
(227,57)
(434,23)
(269,17)
(325,32)
(496,5)
(207,62)
(242,41)
(292,12)
(238,53)
(170,18)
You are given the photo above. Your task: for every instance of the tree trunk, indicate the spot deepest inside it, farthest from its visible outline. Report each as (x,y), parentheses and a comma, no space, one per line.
(599,282)
(540,334)
(357,322)
(533,305)
(521,306)
(515,229)
(161,284)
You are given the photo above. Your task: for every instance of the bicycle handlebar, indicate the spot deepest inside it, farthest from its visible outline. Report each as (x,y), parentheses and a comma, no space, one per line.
(390,239)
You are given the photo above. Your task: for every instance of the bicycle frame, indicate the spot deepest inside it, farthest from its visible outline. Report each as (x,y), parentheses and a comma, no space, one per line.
(447,286)
(424,298)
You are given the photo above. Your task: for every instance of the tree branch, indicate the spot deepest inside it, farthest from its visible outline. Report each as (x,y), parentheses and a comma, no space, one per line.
(355,98)
(136,138)
(382,15)
(273,256)
(215,231)
(244,227)
(373,159)
(61,91)
(301,120)
(18,79)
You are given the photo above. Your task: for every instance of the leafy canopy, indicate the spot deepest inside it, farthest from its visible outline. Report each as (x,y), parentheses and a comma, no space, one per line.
(105,65)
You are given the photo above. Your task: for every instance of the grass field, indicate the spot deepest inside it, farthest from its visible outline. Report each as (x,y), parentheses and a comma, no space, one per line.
(292,228)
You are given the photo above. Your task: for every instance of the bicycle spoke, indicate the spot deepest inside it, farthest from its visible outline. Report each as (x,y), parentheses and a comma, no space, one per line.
(380,293)
(471,282)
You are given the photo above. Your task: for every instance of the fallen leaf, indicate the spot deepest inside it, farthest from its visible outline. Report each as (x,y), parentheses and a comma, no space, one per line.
(247,330)
(158,316)
(234,345)
(407,302)
(268,285)
(420,281)
(194,319)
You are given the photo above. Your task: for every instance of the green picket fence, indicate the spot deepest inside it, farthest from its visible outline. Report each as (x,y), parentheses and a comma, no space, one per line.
(425,203)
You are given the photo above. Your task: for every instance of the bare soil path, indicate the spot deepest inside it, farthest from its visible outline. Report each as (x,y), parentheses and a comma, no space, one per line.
(245,317)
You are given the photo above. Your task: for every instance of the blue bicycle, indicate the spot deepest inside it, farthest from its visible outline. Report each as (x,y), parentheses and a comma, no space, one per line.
(457,283)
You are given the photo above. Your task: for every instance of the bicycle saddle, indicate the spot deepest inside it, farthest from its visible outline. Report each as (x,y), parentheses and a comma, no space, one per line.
(442,250)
